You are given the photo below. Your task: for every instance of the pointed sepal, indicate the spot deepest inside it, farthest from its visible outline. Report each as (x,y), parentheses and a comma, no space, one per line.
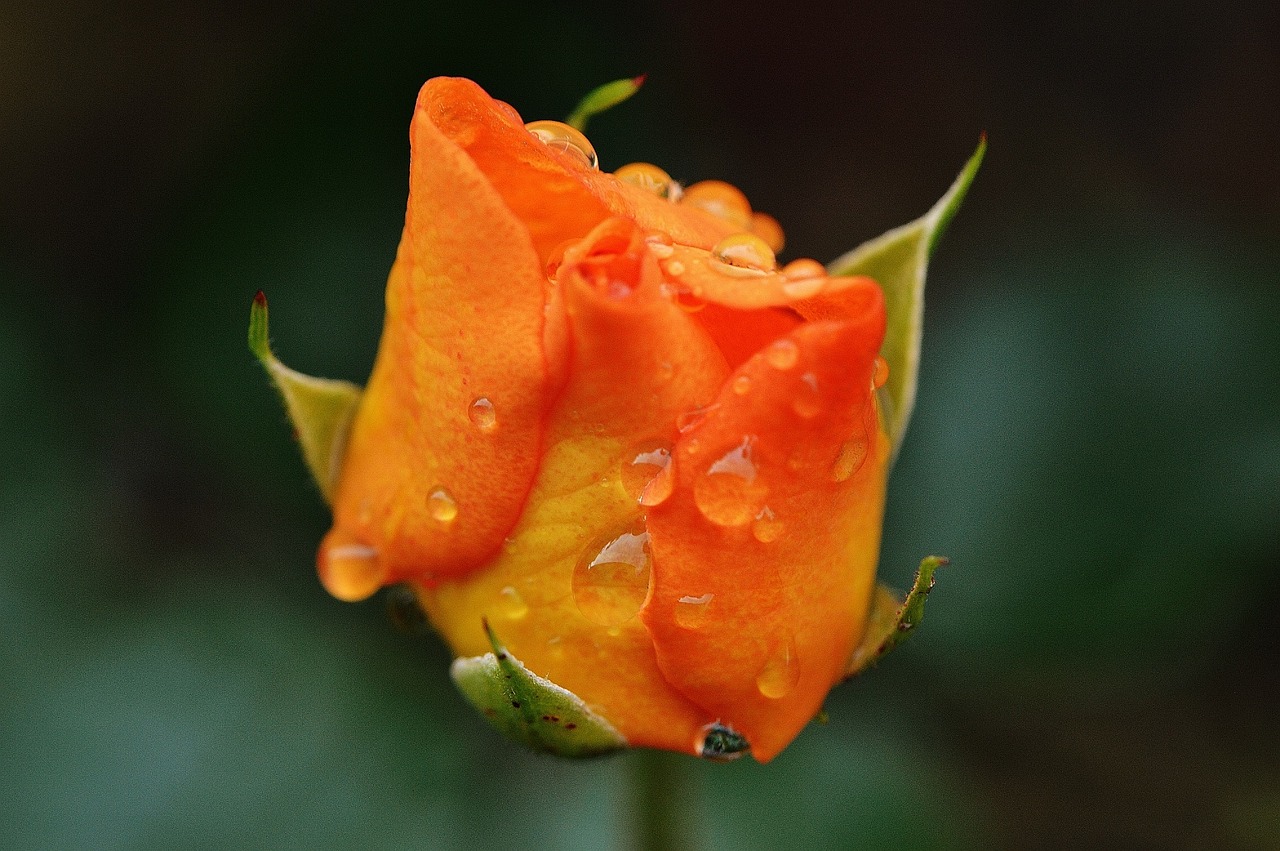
(605,97)
(320,408)
(531,709)
(893,618)
(898,260)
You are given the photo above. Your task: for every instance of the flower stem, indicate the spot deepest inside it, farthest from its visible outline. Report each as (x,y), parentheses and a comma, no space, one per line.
(657,795)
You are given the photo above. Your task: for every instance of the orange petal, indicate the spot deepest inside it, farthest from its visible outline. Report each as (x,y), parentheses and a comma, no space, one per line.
(765,554)
(556,196)
(446,440)
(638,362)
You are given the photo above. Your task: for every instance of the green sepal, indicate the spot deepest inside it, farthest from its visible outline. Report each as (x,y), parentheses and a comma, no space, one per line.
(892,618)
(605,97)
(530,709)
(898,261)
(320,409)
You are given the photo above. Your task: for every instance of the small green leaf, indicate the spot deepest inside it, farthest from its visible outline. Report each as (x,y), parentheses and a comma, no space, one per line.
(892,619)
(531,709)
(898,260)
(606,97)
(320,408)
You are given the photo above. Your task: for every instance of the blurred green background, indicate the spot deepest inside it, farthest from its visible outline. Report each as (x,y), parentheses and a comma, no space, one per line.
(1097,443)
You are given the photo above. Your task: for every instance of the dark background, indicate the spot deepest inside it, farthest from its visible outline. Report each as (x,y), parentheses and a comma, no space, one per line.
(1097,442)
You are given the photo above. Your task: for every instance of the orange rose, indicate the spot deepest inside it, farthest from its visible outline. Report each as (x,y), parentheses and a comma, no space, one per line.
(607,437)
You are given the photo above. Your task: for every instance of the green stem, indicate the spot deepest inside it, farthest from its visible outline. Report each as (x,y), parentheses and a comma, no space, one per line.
(658,790)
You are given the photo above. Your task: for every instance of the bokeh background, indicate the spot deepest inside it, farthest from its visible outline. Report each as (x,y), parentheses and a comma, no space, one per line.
(1097,444)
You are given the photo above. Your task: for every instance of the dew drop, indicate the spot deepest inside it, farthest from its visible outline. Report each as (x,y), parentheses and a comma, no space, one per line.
(804,278)
(743,254)
(665,370)
(741,385)
(808,401)
(781,673)
(611,581)
(646,176)
(510,604)
(766,528)
(483,415)
(692,612)
(720,743)
(720,199)
(642,470)
(767,228)
(730,493)
(562,137)
(852,453)
(675,268)
(880,373)
(782,354)
(441,507)
(348,569)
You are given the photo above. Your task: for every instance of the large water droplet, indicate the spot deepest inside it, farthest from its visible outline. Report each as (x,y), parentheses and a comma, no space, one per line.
(483,415)
(782,354)
(511,604)
(721,743)
(440,506)
(611,582)
(807,401)
(852,453)
(348,569)
(647,176)
(743,254)
(562,137)
(741,385)
(766,528)
(805,278)
(767,228)
(781,673)
(731,493)
(645,473)
(692,612)
(721,200)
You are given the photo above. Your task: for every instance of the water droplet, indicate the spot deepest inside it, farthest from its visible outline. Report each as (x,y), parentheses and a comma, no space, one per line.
(741,385)
(880,373)
(686,299)
(646,176)
(805,278)
(611,582)
(647,464)
(730,493)
(509,112)
(807,402)
(767,528)
(665,370)
(562,137)
(852,453)
(743,254)
(767,228)
(721,200)
(348,569)
(440,506)
(511,604)
(782,354)
(721,743)
(689,419)
(692,612)
(781,673)
(674,268)
(483,415)
(404,611)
